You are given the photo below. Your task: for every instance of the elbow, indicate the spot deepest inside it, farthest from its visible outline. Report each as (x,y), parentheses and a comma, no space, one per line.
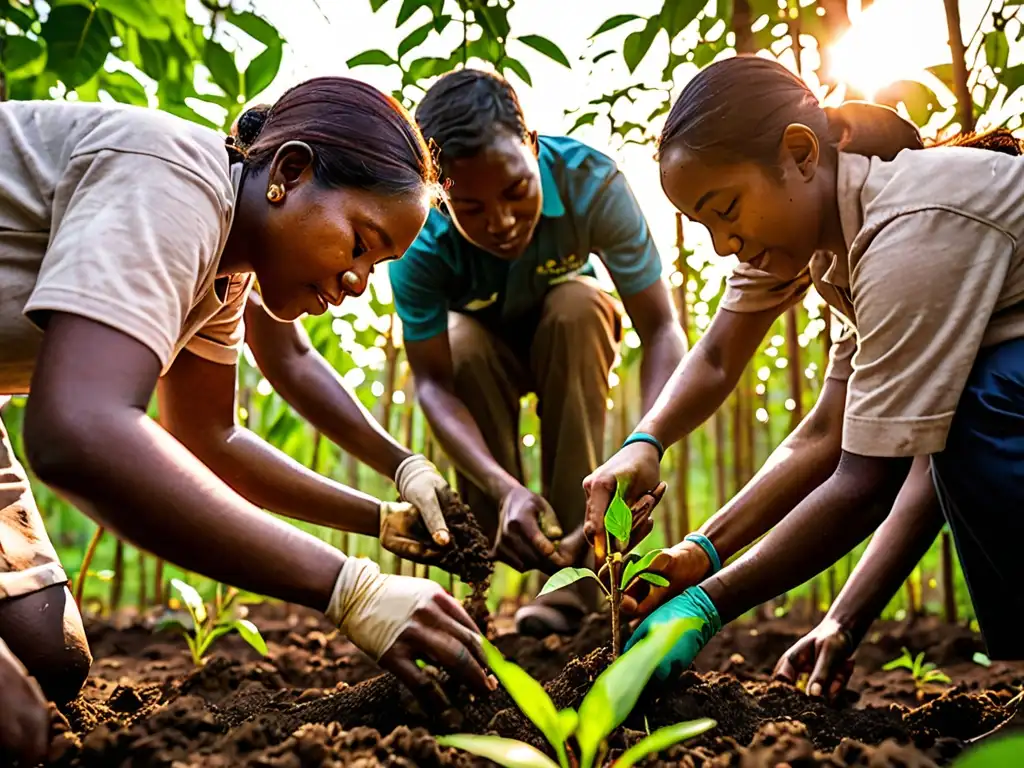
(59,446)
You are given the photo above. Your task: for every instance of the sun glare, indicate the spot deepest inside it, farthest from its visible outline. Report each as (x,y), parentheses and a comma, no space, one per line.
(891,40)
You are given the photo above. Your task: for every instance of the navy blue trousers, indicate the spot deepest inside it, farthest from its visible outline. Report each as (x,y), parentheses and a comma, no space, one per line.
(979,478)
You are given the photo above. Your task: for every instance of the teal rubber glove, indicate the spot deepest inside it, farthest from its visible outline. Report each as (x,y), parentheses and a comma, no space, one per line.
(692,602)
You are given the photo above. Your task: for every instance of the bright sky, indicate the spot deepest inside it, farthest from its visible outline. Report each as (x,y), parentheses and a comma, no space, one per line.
(892,39)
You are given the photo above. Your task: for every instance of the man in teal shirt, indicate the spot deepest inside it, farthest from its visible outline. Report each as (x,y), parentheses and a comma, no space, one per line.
(498,298)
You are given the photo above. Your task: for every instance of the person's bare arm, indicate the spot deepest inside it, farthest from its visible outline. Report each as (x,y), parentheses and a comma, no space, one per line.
(197,406)
(314,389)
(661,338)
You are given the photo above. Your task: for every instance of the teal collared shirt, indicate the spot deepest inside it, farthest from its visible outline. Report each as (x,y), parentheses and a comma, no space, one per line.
(588,208)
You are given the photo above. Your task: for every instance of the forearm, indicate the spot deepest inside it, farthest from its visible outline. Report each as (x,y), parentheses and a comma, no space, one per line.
(272,480)
(462,440)
(828,523)
(660,359)
(135,479)
(895,550)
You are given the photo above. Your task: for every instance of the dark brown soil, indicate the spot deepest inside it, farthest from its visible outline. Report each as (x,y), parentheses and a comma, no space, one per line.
(469,557)
(317,701)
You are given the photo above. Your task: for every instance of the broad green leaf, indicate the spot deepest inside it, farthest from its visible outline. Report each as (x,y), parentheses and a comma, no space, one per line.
(153,60)
(655,578)
(251,635)
(77,42)
(370,58)
(568,722)
(505,752)
(618,520)
(19,17)
(176,621)
(616,690)
(124,88)
(638,566)
(208,639)
(587,118)
(997,49)
(677,15)
(981,659)
(529,696)
(192,600)
(494,20)
(222,68)
(546,47)
(565,577)
(414,38)
(375,5)
(904,661)
(138,14)
(255,27)
(663,738)
(615,21)
(993,753)
(262,70)
(409,7)
(919,99)
(638,43)
(19,52)
(936,676)
(517,66)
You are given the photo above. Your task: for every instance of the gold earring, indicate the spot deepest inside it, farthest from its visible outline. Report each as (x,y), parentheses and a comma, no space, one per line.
(275,193)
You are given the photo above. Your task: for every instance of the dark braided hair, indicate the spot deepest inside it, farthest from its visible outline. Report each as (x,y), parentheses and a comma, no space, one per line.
(462,111)
(360,137)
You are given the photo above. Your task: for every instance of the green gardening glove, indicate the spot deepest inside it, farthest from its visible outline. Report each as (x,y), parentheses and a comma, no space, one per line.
(691,603)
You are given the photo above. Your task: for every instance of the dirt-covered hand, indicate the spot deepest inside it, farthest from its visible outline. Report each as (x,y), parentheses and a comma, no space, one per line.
(24,717)
(684,565)
(402,531)
(419,483)
(526,532)
(638,463)
(825,654)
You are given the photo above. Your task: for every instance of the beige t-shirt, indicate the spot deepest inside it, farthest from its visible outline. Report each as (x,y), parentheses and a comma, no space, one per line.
(934,271)
(118,214)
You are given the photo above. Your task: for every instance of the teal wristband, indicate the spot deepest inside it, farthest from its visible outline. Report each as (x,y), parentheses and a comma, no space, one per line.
(704,543)
(643,437)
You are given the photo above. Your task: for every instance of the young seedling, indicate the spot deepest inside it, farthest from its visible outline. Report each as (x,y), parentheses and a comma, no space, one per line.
(622,567)
(921,672)
(208,625)
(579,739)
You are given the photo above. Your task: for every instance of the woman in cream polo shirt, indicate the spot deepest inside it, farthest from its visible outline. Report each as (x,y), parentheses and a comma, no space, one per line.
(129,241)
(921,251)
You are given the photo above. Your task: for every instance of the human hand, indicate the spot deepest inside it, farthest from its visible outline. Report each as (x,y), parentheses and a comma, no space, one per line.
(418,483)
(402,531)
(684,565)
(399,620)
(692,603)
(824,654)
(24,717)
(637,463)
(527,530)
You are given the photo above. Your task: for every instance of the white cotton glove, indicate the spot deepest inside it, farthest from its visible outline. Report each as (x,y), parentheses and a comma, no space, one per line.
(418,483)
(373,609)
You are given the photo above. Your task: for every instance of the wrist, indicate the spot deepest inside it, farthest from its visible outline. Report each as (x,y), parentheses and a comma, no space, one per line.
(397,457)
(639,437)
(705,545)
(500,486)
(849,620)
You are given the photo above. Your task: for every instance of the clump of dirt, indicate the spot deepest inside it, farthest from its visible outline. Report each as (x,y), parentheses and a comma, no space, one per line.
(469,555)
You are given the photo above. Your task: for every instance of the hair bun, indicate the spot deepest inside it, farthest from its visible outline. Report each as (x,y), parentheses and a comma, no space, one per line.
(865,128)
(248,126)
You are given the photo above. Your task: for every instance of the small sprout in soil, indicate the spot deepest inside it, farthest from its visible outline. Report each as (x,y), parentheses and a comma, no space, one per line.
(922,672)
(981,659)
(623,567)
(580,739)
(202,626)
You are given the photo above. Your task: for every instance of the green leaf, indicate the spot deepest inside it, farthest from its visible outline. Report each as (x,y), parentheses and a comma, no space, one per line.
(124,88)
(505,752)
(937,676)
(663,738)
(175,621)
(19,17)
(192,600)
(655,578)
(587,118)
(997,49)
(138,14)
(565,577)
(918,98)
(639,565)
(77,42)
(568,722)
(255,27)
(517,66)
(417,36)
(615,21)
(545,46)
(375,5)
(677,15)
(427,67)
(251,635)
(618,520)
(616,690)
(262,70)
(376,57)
(19,53)
(222,68)
(528,694)
(638,43)
(209,638)
(904,661)
(409,7)
(494,20)
(981,659)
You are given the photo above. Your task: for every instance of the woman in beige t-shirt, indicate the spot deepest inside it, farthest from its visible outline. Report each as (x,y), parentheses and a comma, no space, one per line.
(129,242)
(920,251)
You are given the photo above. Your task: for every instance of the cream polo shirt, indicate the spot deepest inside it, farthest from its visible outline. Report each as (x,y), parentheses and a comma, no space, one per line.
(118,214)
(934,271)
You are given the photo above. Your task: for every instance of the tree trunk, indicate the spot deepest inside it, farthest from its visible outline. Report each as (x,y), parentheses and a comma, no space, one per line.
(964,102)
(741,23)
